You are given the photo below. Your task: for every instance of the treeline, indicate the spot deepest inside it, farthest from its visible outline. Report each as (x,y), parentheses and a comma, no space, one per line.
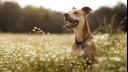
(107,19)
(15,19)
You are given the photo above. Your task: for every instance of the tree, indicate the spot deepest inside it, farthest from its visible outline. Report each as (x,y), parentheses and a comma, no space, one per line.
(10,16)
(106,18)
(33,17)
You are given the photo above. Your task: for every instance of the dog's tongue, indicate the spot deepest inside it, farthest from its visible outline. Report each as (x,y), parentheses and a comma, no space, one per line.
(69,25)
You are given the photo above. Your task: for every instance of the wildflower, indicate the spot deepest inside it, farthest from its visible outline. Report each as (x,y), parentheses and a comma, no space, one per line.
(56,60)
(61,58)
(35,28)
(87,59)
(42,59)
(115,59)
(53,56)
(102,59)
(90,61)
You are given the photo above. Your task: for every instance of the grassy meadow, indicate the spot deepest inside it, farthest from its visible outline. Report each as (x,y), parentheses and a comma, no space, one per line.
(51,53)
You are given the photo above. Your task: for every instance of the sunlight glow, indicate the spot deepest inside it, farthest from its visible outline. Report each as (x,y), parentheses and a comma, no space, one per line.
(66,5)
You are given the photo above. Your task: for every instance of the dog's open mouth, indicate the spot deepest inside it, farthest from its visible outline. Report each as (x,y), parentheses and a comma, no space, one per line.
(71,24)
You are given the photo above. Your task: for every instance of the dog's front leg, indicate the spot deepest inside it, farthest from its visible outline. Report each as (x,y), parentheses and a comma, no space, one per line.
(75,49)
(74,53)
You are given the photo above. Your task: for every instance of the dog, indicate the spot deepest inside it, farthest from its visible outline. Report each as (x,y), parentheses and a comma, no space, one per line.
(84,43)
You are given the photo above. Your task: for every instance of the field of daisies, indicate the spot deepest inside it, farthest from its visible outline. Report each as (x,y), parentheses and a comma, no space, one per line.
(51,53)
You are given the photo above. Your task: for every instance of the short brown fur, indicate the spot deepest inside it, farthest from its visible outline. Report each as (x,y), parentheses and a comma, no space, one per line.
(81,31)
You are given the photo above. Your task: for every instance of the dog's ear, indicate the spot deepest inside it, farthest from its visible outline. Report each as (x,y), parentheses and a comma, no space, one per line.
(86,9)
(73,8)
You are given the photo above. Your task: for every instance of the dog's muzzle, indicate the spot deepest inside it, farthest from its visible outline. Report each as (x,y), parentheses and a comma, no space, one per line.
(71,22)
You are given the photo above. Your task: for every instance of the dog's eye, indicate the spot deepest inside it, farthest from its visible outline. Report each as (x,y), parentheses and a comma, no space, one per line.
(75,12)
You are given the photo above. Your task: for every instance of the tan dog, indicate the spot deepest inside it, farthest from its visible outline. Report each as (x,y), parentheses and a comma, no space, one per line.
(77,20)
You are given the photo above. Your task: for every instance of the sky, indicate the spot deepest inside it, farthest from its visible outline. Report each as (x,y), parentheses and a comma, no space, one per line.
(66,5)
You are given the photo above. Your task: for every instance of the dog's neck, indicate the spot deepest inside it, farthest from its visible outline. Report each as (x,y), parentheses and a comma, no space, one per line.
(82,31)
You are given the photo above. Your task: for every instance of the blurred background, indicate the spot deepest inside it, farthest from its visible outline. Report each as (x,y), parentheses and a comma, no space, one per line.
(21,16)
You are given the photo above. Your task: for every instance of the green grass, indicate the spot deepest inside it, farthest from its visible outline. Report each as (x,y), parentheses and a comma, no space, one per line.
(51,53)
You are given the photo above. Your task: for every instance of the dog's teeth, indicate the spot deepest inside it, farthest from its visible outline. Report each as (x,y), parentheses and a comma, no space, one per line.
(64,26)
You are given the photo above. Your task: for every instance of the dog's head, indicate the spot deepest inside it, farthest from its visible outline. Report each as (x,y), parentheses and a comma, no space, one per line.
(76,17)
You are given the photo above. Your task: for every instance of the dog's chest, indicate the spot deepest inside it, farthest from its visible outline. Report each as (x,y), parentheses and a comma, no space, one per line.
(84,49)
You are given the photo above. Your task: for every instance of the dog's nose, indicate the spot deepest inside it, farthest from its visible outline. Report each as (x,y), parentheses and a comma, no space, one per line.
(66,14)
(67,17)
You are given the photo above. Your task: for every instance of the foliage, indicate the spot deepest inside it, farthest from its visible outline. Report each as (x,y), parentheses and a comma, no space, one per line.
(51,53)
(10,15)
(105,18)
(111,27)
(13,18)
